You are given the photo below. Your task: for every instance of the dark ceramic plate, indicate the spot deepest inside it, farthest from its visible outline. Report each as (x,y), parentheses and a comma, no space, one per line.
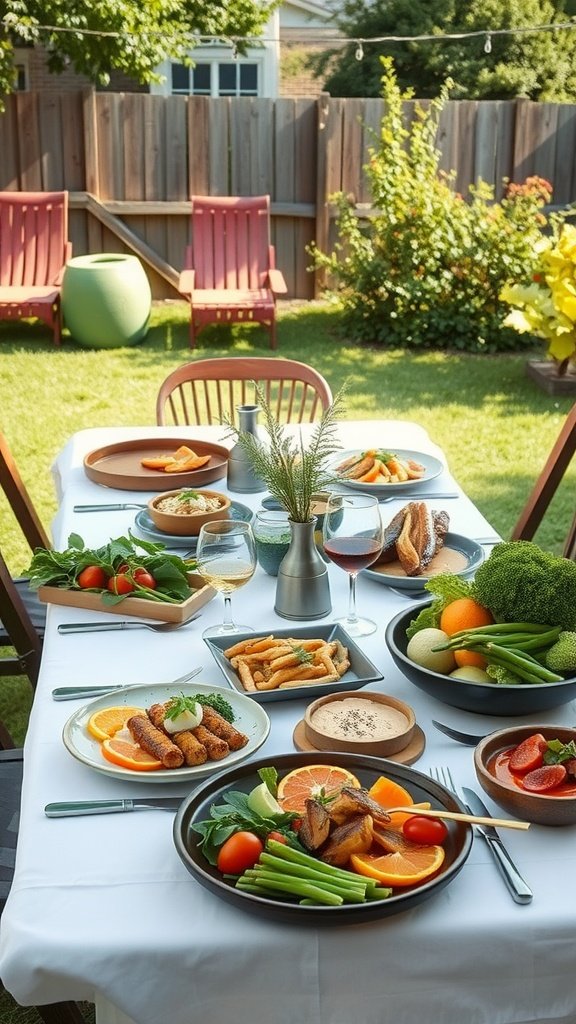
(483,698)
(196,807)
(361,672)
(143,521)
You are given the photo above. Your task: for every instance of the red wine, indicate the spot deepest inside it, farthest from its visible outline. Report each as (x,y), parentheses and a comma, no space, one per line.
(352,553)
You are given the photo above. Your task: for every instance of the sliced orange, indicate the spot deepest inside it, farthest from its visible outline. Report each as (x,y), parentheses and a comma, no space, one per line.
(187,464)
(105,723)
(405,867)
(129,755)
(312,781)
(158,462)
(388,793)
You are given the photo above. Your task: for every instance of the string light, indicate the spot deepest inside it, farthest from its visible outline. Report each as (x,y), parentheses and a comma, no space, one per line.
(13,23)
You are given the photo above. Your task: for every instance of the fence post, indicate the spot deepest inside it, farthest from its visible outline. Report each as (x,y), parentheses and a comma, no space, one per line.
(322,228)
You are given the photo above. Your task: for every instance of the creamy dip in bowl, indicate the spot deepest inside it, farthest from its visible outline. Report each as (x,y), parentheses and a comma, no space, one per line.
(371,723)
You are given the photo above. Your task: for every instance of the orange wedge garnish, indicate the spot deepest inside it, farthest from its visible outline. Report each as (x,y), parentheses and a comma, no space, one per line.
(105,723)
(312,780)
(187,464)
(405,867)
(158,462)
(129,755)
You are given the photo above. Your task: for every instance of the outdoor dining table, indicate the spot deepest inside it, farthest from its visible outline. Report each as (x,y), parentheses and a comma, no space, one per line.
(103,909)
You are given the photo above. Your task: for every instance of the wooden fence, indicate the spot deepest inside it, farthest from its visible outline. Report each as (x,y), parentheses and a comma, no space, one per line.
(131,161)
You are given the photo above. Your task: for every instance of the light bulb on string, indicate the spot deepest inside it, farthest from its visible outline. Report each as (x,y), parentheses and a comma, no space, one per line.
(359,54)
(488,44)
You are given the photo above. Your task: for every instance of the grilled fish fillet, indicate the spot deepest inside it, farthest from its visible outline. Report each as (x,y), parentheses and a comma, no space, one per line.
(353,837)
(352,801)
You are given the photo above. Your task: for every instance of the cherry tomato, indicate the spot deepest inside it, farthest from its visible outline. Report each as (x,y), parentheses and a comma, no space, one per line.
(92,578)
(144,578)
(120,584)
(239,852)
(278,837)
(425,831)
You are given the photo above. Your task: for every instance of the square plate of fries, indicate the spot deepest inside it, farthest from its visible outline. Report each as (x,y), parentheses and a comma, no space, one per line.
(288,663)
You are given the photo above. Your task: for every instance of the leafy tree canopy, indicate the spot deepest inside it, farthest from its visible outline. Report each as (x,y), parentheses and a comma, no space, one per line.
(539,66)
(149,31)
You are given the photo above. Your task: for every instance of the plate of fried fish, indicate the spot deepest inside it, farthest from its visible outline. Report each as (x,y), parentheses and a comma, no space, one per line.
(378,470)
(230,728)
(418,545)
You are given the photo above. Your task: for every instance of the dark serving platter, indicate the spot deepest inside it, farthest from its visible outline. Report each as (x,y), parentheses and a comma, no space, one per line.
(196,807)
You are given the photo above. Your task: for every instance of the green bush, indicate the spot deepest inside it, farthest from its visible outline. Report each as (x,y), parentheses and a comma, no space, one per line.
(427,269)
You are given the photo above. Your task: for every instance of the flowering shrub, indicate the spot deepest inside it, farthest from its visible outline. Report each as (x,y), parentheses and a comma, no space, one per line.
(546,308)
(428,268)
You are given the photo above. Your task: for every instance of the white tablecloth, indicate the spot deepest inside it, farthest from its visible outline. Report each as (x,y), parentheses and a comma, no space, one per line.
(103,909)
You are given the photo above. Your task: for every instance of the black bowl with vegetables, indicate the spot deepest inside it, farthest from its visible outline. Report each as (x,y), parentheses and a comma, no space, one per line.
(483,698)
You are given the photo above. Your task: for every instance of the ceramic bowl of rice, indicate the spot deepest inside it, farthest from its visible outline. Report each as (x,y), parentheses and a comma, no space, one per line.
(184,511)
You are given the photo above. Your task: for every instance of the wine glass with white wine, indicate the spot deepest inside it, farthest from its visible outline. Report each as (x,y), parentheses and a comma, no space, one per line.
(226,558)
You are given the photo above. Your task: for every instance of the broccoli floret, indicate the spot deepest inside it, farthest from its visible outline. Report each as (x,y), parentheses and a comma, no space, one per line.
(520,582)
(562,655)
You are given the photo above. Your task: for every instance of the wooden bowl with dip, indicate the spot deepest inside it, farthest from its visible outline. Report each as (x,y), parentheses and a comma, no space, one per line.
(172,513)
(362,723)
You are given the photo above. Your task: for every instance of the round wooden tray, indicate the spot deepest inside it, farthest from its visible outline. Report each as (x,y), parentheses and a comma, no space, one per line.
(119,465)
(409,755)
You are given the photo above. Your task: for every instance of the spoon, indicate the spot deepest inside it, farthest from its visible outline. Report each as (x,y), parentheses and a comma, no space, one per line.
(74,692)
(469,739)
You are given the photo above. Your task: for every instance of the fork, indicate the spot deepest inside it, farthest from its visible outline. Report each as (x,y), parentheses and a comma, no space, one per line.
(518,888)
(100,627)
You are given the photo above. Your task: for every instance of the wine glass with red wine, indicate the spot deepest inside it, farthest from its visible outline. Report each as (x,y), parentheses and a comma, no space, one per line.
(353,537)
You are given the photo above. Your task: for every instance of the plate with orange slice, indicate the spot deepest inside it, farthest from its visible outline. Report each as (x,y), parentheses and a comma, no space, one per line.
(414,875)
(96,736)
(157,464)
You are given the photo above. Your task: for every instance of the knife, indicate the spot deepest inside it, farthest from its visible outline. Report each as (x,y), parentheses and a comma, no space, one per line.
(520,891)
(106,508)
(272,504)
(76,692)
(73,808)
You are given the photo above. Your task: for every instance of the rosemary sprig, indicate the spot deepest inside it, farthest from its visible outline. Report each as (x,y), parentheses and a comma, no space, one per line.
(292,472)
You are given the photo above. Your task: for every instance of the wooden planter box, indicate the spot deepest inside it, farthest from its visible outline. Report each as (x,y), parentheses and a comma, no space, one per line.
(134,606)
(545,374)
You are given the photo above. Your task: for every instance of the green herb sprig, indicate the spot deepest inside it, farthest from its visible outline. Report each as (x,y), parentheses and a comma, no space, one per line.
(292,472)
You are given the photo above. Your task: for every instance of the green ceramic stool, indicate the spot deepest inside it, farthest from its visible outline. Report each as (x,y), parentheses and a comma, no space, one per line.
(106,300)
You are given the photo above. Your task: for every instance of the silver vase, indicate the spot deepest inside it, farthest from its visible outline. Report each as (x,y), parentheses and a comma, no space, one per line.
(303,587)
(241,477)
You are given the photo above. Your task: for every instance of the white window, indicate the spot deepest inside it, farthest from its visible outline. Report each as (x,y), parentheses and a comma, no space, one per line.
(216,78)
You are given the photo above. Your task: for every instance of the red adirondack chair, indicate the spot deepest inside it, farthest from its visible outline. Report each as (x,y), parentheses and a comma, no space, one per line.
(230,274)
(34,248)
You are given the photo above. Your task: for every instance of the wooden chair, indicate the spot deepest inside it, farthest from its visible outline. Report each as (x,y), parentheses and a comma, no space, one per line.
(11,765)
(34,248)
(230,273)
(209,390)
(546,485)
(22,615)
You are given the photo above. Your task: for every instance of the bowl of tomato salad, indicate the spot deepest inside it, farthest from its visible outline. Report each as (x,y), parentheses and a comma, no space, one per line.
(530,771)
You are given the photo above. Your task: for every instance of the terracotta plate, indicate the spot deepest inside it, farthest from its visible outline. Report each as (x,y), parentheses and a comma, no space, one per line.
(120,465)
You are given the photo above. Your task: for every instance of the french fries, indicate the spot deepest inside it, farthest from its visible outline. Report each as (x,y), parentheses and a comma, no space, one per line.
(269,663)
(376,466)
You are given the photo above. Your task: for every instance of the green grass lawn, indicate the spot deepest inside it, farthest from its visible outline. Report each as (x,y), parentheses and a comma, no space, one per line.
(495,427)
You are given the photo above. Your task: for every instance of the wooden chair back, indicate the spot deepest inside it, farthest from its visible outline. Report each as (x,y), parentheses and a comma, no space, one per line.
(230,271)
(546,486)
(209,390)
(19,500)
(34,248)
(20,630)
